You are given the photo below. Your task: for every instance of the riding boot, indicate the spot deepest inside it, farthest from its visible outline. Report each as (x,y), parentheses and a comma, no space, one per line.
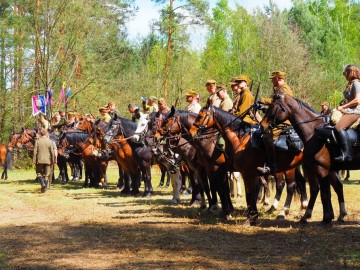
(345,147)
(43,184)
(270,166)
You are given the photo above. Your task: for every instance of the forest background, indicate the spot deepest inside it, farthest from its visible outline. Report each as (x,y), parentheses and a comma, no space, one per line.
(85,45)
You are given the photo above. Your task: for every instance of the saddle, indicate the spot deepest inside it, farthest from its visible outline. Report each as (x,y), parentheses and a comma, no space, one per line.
(328,133)
(288,140)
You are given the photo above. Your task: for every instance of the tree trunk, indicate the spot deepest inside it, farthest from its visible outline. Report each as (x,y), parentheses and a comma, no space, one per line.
(168,49)
(37,48)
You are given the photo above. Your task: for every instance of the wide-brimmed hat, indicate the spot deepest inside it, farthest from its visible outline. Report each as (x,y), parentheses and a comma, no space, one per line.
(210,82)
(220,87)
(153,98)
(161,101)
(278,74)
(243,78)
(325,103)
(191,93)
(104,110)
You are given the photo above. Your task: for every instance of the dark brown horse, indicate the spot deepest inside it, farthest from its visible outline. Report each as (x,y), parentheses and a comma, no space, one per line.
(177,125)
(245,158)
(318,165)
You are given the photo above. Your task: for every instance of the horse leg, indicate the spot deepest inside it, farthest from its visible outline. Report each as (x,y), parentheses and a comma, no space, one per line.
(252,187)
(222,185)
(167,184)
(301,187)
(121,183)
(290,188)
(176,185)
(162,178)
(325,193)
(135,180)
(314,191)
(197,194)
(338,187)
(280,184)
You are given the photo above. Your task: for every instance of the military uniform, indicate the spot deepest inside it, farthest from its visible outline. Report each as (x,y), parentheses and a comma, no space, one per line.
(163,108)
(105,116)
(241,103)
(43,158)
(194,105)
(60,126)
(150,108)
(114,113)
(215,100)
(270,135)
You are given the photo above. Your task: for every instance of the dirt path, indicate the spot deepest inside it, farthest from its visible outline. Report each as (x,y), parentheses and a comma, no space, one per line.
(74,228)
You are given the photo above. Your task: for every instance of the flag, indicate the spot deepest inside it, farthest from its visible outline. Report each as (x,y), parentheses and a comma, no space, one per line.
(68,93)
(49,94)
(38,105)
(62,93)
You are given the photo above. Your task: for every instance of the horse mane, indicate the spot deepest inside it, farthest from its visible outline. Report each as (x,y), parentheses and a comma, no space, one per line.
(229,120)
(303,104)
(127,126)
(74,137)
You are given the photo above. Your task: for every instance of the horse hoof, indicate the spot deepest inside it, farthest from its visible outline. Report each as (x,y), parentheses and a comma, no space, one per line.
(147,194)
(281,216)
(160,185)
(271,210)
(325,223)
(166,186)
(63,183)
(174,202)
(303,220)
(125,191)
(340,220)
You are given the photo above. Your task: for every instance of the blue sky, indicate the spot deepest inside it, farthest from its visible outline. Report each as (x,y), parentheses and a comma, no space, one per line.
(148,10)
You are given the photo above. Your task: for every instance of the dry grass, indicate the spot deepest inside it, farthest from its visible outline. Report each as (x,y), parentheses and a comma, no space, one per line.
(74,228)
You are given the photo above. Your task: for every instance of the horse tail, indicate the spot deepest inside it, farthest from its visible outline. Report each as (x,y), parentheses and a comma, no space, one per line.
(8,159)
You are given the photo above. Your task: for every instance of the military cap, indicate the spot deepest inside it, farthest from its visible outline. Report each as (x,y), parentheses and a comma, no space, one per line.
(104,110)
(131,105)
(111,103)
(191,93)
(153,98)
(278,74)
(210,82)
(71,114)
(233,81)
(243,78)
(161,101)
(220,87)
(325,104)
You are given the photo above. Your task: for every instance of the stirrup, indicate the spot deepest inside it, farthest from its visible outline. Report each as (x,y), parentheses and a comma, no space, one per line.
(342,158)
(264,170)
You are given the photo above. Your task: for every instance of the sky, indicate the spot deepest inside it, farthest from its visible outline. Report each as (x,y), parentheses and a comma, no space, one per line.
(139,26)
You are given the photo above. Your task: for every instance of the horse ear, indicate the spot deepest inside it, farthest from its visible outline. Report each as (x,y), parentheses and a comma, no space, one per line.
(172,110)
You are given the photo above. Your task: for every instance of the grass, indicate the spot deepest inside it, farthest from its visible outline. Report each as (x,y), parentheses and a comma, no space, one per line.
(71,227)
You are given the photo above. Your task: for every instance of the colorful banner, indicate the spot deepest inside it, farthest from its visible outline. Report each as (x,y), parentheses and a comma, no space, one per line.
(38,105)
(49,95)
(68,93)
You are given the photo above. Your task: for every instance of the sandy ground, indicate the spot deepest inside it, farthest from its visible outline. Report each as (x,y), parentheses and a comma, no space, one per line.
(74,228)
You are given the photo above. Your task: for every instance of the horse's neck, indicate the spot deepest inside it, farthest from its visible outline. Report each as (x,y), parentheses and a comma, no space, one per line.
(304,122)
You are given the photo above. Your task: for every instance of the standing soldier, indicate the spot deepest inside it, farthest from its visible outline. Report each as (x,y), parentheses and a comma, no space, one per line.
(226,102)
(244,99)
(113,112)
(149,105)
(163,107)
(191,98)
(279,84)
(43,159)
(211,88)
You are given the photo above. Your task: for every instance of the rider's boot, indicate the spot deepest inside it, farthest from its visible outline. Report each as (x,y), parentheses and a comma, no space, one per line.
(270,166)
(345,147)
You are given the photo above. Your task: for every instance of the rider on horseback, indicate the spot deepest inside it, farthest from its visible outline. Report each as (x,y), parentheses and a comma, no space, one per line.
(279,84)
(351,111)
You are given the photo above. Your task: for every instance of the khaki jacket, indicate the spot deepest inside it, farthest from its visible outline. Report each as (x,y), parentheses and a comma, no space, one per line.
(215,100)
(242,102)
(193,107)
(106,117)
(226,104)
(44,151)
(150,109)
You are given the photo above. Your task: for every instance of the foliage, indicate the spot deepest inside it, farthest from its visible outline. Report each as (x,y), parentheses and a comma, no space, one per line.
(84,44)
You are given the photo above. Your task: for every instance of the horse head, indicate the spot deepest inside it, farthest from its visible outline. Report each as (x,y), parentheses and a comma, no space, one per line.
(203,121)
(278,112)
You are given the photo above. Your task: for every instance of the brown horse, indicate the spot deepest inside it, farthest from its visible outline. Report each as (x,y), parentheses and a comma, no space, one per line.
(177,124)
(245,158)
(317,165)
(5,159)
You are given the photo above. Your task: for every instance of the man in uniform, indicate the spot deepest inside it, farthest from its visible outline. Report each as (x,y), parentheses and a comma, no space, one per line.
(191,98)
(226,102)
(135,112)
(60,122)
(43,158)
(163,107)
(326,111)
(105,116)
(243,99)
(279,84)
(211,88)
(149,105)
(113,112)
(70,122)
